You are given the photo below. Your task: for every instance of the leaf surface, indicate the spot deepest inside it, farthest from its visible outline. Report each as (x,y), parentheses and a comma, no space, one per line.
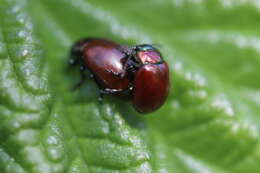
(209,123)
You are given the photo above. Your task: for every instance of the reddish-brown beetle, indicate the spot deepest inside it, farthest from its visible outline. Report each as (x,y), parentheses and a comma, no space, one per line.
(138,72)
(151,81)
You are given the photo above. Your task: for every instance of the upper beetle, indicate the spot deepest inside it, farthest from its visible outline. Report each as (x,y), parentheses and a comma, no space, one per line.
(151,79)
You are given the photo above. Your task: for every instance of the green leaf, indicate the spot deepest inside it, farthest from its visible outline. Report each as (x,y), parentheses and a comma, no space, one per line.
(209,123)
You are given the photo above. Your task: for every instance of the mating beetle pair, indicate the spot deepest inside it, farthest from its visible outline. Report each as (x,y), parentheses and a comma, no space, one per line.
(137,73)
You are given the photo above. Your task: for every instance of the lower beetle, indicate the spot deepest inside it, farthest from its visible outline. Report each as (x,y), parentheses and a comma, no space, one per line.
(105,61)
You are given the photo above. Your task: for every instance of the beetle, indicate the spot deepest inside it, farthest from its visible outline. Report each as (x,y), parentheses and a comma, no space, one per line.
(137,73)
(105,60)
(151,82)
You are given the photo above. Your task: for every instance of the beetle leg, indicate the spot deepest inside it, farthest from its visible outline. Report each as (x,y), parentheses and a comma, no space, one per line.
(82,78)
(73,61)
(118,92)
(110,91)
(101,97)
(80,83)
(84,70)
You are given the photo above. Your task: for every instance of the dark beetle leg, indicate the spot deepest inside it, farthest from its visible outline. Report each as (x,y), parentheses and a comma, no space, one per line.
(101,97)
(110,91)
(82,78)
(125,94)
(73,62)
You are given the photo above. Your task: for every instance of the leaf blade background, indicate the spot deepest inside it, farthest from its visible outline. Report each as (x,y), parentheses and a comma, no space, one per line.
(209,123)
